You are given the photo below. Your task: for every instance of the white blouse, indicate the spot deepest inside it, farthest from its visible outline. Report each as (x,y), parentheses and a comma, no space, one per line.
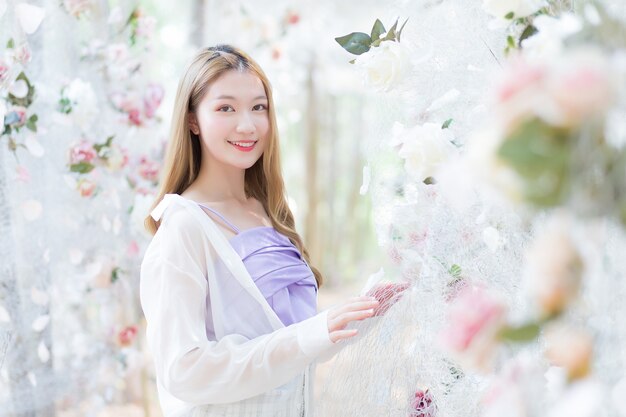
(217,344)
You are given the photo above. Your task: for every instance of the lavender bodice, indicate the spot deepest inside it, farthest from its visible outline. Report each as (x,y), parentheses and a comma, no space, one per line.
(278,269)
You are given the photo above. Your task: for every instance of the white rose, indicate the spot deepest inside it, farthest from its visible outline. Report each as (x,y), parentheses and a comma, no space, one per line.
(554,269)
(551,32)
(84,103)
(520,8)
(425,148)
(115,158)
(384,66)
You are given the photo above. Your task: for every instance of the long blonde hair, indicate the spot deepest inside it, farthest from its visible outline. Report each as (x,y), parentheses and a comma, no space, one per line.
(263,180)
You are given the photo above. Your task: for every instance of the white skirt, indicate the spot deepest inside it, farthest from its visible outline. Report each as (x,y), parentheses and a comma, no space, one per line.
(285,401)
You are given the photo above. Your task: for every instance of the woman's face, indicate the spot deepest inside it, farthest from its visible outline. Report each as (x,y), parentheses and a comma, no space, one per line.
(232,120)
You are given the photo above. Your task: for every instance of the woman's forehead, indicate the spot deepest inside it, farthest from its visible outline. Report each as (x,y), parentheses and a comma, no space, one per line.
(237,85)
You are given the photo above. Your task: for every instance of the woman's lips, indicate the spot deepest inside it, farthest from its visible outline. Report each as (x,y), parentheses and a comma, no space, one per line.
(244,148)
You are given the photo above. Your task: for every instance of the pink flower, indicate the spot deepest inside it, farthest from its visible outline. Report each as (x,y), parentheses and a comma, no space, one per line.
(148,170)
(133,249)
(422,405)
(387,294)
(127,335)
(22,174)
(86,188)
(4,70)
(152,99)
(474,320)
(134,117)
(521,77)
(22,54)
(16,117)
(83,152)
(145,26)
(292,18)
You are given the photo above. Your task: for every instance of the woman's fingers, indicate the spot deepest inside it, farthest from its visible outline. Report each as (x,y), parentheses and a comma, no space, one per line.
(342,334)
(365,303)
(341,321)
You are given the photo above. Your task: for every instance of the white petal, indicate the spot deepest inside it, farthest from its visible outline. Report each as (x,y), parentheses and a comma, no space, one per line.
(44,353)
(366,180)
(41,323)
(442,101)
(39,297)
(19,89)
(373,280)
(76,256)
(46,256)
(3,7)
(106,223)
(29,16)
(117,225)
(491,237)
(31,209)
(34,147)
(4,315)
(32,379)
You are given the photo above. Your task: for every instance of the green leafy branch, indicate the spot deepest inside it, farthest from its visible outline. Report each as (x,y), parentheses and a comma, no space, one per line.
(358,43)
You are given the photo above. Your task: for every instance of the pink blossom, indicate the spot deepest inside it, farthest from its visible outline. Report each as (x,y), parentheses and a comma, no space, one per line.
(422,405)
(23,175)
(16,117)
(521,77)
(83,152)
(133,249)
(148,170)
(145,26)
(127,335)
(387,294)
(134,117)
(152,99)
(474,319)
(86,188)
(4,70)
(22,54)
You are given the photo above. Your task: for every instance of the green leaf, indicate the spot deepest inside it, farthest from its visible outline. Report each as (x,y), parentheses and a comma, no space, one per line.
(524,333)
(391,35)
(31,124)
(11,44)
(446,124)
(356,43)
(377,30)
(65,105)
(82,167)
(115,274)
(509,15)
(352,61)
(429,181)
(402,27)
(510,41)
(539,153)
(455,271)
(529,31)
(100,146)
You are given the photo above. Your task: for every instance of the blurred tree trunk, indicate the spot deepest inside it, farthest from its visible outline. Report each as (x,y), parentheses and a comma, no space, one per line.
(311,224)
(198,8)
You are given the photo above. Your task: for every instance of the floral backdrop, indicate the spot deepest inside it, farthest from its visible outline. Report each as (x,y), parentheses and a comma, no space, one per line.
(483,140)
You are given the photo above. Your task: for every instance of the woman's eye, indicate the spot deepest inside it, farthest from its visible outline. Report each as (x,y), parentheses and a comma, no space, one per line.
(226,109)
(260,107)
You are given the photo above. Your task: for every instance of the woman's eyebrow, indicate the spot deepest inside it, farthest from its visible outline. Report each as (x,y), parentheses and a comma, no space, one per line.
(224,97)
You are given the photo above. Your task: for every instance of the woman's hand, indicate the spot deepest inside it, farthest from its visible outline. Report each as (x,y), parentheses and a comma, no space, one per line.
(355,309)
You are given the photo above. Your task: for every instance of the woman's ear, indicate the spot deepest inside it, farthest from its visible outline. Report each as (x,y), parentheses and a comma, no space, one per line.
(193,124)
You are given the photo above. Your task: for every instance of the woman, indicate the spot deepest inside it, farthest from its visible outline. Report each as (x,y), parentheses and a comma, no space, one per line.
(226,286)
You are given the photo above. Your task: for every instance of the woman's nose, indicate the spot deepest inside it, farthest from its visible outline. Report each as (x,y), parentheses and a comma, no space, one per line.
(245,123)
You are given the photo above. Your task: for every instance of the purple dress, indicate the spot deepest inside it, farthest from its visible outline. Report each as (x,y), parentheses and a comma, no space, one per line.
(278,270)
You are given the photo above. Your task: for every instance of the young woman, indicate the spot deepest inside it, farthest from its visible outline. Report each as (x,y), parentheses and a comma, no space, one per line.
(226,286)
